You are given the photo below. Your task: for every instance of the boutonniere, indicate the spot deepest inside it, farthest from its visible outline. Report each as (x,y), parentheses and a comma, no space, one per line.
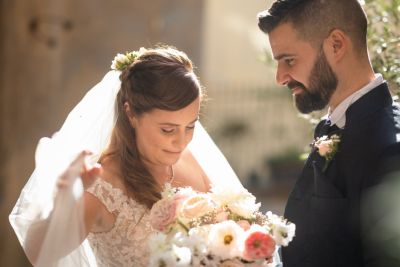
(327,147)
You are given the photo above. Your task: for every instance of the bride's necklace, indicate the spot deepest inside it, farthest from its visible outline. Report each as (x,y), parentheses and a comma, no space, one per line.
(172,175)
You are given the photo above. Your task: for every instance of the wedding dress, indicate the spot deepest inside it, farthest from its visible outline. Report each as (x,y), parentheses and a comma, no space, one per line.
(89,126)
(125,244)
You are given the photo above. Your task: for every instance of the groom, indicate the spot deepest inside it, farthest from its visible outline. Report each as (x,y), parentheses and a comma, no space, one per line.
(321,53)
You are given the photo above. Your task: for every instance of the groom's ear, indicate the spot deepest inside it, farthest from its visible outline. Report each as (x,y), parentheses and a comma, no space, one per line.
(336,45)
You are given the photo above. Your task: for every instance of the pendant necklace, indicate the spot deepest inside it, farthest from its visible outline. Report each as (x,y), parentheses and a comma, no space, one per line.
(172,175)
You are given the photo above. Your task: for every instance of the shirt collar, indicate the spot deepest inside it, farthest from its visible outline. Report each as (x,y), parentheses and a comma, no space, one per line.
(338,116)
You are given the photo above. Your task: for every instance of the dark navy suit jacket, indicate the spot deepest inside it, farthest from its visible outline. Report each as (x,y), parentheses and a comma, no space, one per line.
(325,202)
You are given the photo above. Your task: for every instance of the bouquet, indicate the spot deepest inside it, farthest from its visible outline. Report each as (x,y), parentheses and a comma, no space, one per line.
(221,228)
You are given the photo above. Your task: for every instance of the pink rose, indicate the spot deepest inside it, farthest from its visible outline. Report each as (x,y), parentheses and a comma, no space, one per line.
(244,224)
(163,214)
(196,206)
(258,245)
(221,216)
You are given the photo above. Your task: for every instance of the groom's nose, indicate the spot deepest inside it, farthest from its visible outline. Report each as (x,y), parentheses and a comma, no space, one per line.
(282,76)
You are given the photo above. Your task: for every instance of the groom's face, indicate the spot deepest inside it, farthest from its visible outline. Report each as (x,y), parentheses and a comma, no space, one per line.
(303,69)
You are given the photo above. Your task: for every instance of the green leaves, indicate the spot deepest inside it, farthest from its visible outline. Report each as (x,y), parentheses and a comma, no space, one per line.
(384,39)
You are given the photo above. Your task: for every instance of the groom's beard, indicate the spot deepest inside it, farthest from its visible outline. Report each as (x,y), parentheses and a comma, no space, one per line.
(323,83)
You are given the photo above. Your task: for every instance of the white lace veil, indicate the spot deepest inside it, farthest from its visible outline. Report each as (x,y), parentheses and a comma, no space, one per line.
(58,218)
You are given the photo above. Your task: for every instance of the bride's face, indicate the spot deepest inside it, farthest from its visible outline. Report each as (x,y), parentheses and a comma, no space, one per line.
(162,135)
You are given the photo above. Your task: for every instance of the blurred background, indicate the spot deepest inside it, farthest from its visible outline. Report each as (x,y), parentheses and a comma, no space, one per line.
(53,51)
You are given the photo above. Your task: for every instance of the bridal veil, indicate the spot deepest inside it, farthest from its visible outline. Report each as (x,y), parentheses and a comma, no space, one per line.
(57,214)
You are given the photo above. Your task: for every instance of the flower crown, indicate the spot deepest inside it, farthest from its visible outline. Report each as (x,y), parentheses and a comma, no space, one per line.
(123,61)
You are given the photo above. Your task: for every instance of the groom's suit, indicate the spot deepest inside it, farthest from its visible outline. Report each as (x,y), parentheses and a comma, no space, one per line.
(325,201)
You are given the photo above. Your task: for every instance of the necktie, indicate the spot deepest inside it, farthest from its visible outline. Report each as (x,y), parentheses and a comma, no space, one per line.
(327,128)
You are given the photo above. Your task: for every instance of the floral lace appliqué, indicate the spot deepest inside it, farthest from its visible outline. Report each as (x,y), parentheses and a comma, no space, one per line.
(126,243)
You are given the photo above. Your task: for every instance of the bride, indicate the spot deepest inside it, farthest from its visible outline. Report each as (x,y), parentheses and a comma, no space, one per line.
(87,202)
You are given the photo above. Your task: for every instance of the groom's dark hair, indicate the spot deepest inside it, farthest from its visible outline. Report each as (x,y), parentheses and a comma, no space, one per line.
(315,19)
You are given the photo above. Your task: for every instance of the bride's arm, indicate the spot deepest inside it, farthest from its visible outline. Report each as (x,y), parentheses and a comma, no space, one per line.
(89,205)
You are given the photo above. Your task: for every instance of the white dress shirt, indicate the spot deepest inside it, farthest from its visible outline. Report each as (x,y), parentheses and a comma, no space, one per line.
(338,116)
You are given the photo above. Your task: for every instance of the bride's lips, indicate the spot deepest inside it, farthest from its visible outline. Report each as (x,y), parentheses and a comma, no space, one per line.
(173,152)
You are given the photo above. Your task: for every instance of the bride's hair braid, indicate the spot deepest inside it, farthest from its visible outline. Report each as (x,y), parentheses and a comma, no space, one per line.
(159,78)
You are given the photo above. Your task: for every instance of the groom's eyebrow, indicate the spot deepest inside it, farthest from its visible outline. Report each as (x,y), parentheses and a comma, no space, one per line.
(280,56)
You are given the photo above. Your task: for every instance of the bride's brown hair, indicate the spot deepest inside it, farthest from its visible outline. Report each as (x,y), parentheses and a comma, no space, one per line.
(159,78)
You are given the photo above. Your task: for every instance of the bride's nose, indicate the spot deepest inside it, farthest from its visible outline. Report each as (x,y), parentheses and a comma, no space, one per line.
(180,140)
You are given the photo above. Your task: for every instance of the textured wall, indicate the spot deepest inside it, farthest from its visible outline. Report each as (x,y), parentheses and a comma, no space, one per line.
(51,52)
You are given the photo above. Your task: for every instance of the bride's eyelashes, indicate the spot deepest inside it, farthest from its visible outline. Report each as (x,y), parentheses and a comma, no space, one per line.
(167,130)
(170,130)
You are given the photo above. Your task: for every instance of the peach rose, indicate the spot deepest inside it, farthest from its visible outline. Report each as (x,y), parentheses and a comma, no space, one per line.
(196,206)
(324,147)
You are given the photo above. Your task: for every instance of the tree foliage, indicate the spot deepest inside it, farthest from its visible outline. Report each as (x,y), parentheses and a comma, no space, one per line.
(384,39)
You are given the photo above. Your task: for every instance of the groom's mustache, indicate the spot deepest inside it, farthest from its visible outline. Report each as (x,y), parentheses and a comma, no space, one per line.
(294,84)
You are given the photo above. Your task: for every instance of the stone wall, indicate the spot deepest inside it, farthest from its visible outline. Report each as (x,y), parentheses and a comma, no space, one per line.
(52,52)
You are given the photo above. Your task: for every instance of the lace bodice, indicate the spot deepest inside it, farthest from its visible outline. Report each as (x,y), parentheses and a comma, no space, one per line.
(126,244)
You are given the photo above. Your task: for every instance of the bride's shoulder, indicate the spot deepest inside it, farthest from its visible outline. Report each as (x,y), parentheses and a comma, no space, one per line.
(111,174)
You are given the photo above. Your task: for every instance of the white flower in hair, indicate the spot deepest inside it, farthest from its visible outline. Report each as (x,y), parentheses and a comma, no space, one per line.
(122,61)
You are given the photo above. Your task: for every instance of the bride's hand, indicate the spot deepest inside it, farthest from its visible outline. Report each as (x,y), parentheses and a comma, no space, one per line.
(79,168)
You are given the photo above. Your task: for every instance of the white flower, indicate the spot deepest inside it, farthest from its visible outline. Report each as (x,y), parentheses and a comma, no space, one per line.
(119,59)
(245,207)
(163,259)
(173,257)
(141,50)
(238,200)
(194,242)
(158,243)
(182,255)
(225,239)
(207,260)
(202,232)
(224,195)
(282,231)
(122,61)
